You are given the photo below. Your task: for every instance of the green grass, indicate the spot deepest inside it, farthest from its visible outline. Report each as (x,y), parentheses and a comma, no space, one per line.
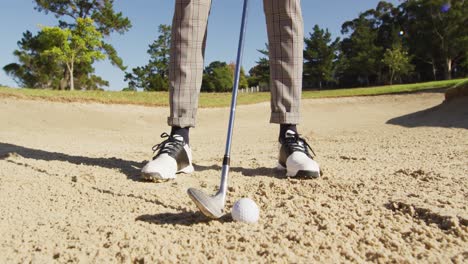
(388,89)
(210,99)
(462,84)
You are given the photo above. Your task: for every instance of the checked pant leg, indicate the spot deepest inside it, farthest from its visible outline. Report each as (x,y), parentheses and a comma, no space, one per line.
(286,44)
(189,27)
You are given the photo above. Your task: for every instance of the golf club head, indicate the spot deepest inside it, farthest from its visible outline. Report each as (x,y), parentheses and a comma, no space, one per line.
(210,206)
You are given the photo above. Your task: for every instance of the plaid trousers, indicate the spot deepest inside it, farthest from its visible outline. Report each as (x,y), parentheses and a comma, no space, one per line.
(285,38)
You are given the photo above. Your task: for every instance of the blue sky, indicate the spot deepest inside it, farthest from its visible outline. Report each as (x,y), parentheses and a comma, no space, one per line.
(17,16)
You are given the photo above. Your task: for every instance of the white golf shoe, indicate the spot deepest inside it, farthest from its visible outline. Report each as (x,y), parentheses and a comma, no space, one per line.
(294,157)
(173,156)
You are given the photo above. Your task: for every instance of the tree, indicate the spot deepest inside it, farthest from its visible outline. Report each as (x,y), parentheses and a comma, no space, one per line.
(32,70)
(360,54)
(319,54)
(80,45)
(260,73)
(106,21)
(398,62)
(437,32)
(101,11)
(154,75)
(387,24)
(217,77)
(243,83)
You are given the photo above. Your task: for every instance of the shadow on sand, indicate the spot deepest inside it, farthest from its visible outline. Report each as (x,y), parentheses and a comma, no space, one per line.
(249,172)
(452,114)
(130,168)
(183,218)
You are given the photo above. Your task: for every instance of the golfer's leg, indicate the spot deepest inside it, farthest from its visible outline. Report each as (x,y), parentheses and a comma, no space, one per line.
(286,41)
(186,60)
(185,76)
(286,44)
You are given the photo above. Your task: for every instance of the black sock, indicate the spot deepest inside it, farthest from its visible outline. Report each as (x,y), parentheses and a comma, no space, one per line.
(181,131)
(284,128)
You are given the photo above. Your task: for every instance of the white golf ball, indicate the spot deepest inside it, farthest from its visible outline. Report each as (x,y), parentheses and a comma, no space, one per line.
(245,210)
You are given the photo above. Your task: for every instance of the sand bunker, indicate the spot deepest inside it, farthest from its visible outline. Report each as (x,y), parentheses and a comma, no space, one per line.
(394,187)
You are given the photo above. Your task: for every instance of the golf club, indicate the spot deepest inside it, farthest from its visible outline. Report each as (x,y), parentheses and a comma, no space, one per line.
(212,206)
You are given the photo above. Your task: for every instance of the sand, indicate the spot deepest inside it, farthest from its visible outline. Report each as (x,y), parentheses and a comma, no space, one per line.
(394,187)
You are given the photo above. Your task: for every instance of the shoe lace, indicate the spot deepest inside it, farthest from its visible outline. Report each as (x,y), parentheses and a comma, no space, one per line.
(169,146)
(296,143)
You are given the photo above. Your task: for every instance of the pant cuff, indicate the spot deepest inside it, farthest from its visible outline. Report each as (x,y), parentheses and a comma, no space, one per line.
(181,121)
(285,118)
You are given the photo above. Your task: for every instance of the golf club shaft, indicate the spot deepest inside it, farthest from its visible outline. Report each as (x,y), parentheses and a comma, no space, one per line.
(235,88)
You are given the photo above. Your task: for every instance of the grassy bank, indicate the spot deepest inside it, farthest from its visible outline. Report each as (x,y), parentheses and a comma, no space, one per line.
(209,99)
(388,89)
